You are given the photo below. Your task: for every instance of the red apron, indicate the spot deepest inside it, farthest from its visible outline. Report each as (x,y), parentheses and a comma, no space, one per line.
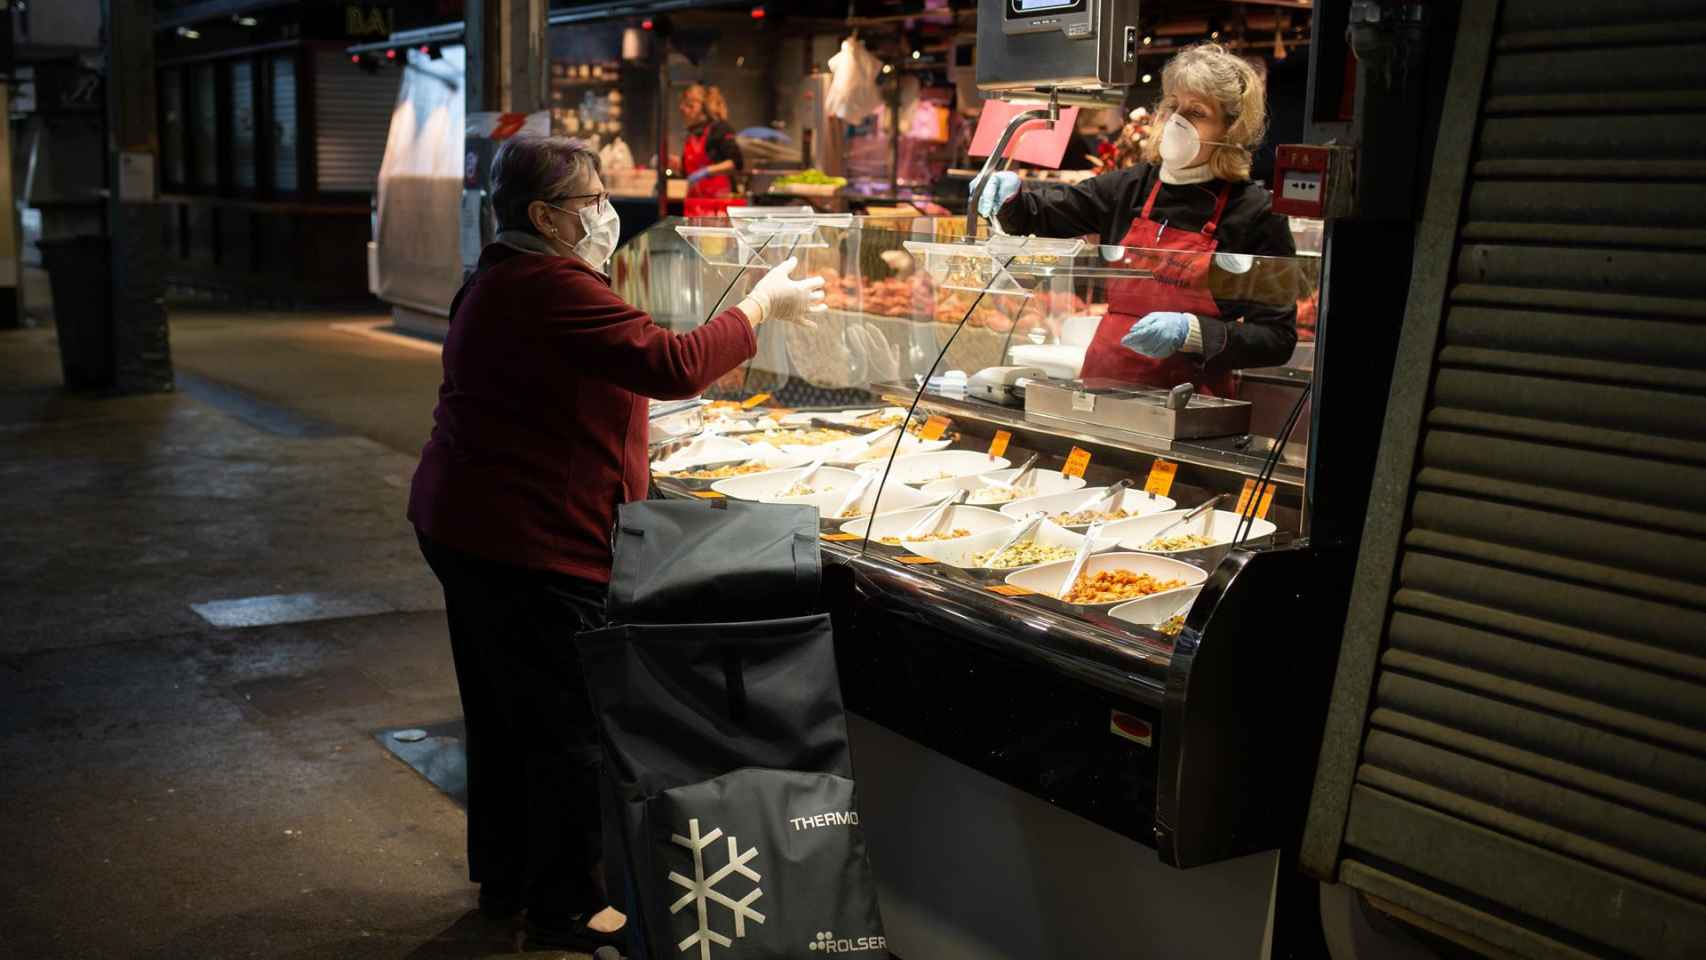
(694,156)
(1179,261)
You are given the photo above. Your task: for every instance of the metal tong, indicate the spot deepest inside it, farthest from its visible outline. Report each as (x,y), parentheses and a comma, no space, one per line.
(1027,528)
(1101,502)
(854,494)
(1196,512)
(932,521)
(1078,562)
(1018,481)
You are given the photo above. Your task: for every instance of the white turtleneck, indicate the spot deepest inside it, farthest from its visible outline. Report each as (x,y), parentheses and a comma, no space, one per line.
(1197,174)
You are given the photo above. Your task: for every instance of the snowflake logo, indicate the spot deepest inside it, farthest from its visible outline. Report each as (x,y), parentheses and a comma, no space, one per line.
(701,889)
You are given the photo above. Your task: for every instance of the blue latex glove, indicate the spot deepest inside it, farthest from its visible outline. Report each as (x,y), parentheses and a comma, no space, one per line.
(765,133)
(1158,334)
(698,175)
(1001,188)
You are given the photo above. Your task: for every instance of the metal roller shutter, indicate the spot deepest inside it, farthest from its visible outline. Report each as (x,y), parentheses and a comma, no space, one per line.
(1516,751)
(282,73)
(352,116)
(242,83)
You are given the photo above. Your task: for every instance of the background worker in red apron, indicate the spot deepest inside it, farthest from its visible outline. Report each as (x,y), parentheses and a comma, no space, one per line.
(1188,214)
(710,154)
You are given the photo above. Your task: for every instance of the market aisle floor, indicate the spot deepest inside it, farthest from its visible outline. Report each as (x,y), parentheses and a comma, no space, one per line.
(173,789)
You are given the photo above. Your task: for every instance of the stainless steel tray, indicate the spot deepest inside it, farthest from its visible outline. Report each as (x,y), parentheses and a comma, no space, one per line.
(1118,406)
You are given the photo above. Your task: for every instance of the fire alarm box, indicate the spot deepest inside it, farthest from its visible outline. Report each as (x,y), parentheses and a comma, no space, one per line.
(1312,181)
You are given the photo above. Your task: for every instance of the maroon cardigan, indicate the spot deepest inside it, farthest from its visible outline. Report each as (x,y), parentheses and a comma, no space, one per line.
(540,430)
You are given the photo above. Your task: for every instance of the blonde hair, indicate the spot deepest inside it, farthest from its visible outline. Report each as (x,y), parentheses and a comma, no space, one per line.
(1209,71)
(716,108)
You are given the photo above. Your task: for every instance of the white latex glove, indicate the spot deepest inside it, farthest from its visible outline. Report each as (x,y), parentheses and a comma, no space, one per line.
(779,296)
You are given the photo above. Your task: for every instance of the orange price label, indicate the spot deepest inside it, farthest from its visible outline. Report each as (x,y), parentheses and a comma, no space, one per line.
(1265,501)
(839,537)
(1076,463)
(1160,477)
(998,444)
(915,561)
(754,400)
(934,428)
(1008,590)
(708,495)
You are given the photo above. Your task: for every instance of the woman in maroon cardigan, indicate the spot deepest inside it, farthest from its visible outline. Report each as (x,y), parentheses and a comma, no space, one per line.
(540,432)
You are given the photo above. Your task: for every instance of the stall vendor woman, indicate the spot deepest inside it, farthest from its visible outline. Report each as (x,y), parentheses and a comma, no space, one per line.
(711,153)
(1190,216)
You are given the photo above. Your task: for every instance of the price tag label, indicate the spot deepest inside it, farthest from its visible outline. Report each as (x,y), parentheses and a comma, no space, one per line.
(1160,477)
(1263,502)
(754,400)
(839,537)
(1008,590)
(1267,501)
(1076,463)
(998,444)
(916,561)
(934,428)
(708,495)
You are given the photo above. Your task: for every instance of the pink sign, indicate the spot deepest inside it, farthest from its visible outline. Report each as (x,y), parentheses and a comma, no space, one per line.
(1033,143)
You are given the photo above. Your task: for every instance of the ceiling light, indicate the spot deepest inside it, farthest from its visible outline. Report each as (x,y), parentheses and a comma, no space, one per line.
(246,21)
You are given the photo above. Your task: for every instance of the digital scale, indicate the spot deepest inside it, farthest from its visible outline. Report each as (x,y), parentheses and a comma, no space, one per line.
(1076,49)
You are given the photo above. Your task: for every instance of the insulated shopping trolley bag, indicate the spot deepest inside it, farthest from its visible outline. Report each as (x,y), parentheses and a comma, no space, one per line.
(725,745)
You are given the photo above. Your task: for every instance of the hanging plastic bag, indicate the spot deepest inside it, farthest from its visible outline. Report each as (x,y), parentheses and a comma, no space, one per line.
(853,93)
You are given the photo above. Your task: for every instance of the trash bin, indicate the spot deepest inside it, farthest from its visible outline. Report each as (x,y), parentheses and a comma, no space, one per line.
(77,273)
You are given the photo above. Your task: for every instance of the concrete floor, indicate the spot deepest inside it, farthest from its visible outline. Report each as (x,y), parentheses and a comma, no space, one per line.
(172,789)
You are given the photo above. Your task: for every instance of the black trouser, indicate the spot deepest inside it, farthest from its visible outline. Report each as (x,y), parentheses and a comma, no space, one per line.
(533,808)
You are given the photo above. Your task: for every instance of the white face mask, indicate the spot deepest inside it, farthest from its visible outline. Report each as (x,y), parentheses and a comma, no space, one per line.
(1180,143)
(602,226)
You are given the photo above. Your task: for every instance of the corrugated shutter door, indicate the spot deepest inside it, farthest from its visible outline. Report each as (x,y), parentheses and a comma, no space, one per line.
(352,116)
(243,124)
(1517,750)
(204,126)
(282,76)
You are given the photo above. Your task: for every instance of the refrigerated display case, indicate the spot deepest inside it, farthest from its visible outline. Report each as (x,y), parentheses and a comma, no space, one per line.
(1168,690)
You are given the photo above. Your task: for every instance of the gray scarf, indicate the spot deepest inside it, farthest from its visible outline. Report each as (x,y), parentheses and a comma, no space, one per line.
(526,242)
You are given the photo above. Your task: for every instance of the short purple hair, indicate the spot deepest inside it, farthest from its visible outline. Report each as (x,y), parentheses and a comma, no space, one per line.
(538,168)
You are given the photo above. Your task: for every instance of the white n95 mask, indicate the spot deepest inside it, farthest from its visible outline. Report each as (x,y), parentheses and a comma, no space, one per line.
(1180,143)
(602,226)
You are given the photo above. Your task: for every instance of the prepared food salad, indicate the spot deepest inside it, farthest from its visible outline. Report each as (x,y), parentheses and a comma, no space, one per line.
(798,490)
(1082,518)
(727,470)
(813,437)
(994,495)
(954,534)
(878,420)
(1111,585)
(1172,625)
(1183,541)
(1024,553)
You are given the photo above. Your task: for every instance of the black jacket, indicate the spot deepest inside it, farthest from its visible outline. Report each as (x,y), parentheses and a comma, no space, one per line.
(1264,298)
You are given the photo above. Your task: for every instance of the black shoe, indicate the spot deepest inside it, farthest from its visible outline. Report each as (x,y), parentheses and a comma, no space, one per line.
(570,933)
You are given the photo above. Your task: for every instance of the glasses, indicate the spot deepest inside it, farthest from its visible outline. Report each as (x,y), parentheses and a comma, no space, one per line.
(600,197)
(600,200)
